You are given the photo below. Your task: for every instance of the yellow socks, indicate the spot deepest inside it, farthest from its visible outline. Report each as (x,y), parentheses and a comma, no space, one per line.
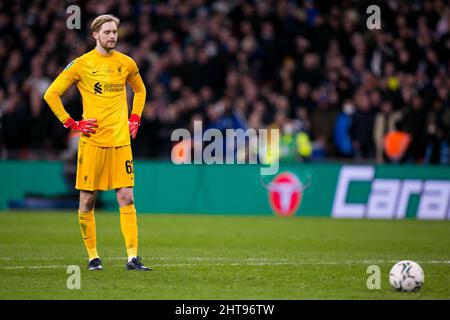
(87,225)
(128,223)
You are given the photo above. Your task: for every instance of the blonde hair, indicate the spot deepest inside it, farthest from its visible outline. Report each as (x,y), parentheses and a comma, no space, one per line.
(100,20)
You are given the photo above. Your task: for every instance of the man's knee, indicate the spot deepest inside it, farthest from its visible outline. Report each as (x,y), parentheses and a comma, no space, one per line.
(125,197)
(87,201)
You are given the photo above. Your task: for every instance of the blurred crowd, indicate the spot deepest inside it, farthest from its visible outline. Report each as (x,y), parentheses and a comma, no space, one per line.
(310,68)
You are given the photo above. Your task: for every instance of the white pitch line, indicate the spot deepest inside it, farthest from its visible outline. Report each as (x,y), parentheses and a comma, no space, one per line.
(284,263)
(236,264)
(169,265)
(156,258)
(31,267)
(193,265)
(239,260)
(205,259)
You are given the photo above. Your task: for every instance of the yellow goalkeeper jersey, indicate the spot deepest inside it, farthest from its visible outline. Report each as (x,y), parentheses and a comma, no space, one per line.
(101,81)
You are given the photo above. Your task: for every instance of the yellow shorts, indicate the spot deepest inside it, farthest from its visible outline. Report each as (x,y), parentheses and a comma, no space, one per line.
(104,168)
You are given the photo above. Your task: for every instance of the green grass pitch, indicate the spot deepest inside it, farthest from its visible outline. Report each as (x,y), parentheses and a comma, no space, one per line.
(220,257)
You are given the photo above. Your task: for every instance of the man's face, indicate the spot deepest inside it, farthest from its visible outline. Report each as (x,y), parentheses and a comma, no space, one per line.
(107,35)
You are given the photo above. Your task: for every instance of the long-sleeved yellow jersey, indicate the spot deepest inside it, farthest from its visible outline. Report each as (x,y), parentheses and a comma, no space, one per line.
(101,81)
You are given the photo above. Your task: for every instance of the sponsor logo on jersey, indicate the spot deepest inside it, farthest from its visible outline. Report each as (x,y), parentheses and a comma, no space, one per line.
(113,87)
(98,88)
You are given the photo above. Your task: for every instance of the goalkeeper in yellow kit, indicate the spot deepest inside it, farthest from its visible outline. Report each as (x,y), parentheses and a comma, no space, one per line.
(104,155)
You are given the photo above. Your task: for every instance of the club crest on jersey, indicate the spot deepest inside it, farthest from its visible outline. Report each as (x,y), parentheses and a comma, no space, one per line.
(285,194)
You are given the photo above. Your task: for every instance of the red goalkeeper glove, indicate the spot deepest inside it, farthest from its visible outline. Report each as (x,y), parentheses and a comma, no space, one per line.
(85,127)
(133,124)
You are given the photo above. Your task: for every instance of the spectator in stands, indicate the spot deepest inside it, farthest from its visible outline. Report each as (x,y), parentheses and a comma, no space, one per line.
(362,126)
(341,136)
(258,57)
(438,134)
(413,122)
(385,121)
(322,123)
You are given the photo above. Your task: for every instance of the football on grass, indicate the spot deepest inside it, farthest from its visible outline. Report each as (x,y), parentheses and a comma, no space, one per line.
(406,276)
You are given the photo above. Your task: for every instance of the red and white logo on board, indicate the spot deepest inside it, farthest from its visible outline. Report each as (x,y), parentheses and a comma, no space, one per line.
(285,194)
